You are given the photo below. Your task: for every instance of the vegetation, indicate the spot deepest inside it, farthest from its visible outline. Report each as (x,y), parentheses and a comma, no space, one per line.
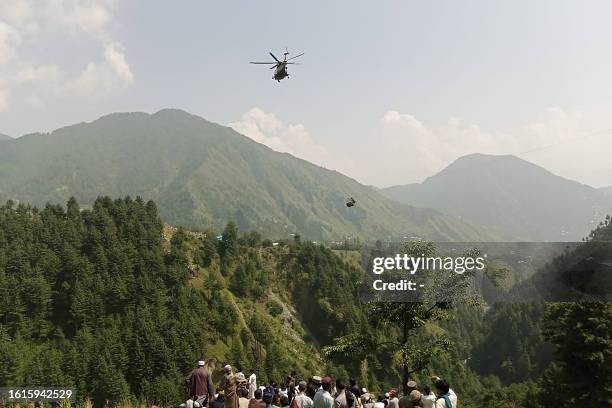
(525,201)
(202,175)
(114,303)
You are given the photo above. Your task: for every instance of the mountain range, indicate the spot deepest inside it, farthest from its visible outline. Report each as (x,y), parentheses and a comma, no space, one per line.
(203,175)
(509,194)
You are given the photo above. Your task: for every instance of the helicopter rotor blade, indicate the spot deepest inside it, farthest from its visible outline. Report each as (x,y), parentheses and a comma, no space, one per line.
(296,56)
(276,59)
(266,63)
(294,63)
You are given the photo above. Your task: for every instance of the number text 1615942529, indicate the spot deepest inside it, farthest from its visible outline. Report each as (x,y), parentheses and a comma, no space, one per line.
(26,394)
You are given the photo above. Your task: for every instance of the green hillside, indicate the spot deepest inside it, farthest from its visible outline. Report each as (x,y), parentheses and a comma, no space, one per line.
(120,307)
(518,198)
(202,174)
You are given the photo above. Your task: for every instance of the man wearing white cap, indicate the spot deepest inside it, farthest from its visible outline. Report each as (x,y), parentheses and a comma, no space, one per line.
(200,384)
(229,386)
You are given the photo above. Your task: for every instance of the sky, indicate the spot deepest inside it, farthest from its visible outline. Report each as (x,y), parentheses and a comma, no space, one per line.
(389,92)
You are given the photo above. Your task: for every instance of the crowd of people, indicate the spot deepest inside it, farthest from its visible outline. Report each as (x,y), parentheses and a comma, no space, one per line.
(237,391)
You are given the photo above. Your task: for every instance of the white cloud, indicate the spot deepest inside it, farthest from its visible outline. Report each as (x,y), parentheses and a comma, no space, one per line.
(562,142)
(114,54)
(267,129)
(103,77)
(9,41)
(31,73)
(88,16)
(26,23)
(405,150)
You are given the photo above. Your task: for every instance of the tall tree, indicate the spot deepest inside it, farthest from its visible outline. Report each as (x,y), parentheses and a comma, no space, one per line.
(399,321)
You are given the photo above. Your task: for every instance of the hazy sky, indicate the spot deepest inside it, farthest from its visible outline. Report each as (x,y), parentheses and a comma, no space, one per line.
(390,91)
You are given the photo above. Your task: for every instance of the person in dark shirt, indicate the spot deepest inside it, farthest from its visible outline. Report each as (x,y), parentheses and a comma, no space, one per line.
(219,402)
(200,384)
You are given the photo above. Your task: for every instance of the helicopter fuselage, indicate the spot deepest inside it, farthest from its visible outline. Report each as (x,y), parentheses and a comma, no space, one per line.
(280,72)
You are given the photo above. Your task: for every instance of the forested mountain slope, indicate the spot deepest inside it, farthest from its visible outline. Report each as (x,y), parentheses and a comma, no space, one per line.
(522,200)
(202,174)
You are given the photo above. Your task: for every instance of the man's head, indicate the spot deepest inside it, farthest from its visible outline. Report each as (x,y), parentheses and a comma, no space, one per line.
(366,397)
(258,394)
(340,385)
(441,386)
(227,369)
(242,392)
(267,398)
(412,385)
(302,386)
(415,396)
(326,383)
(392,393)
(316,380)
(201,363)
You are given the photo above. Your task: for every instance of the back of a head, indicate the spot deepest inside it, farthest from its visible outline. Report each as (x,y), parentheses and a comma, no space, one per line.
(242,392)
(284,400)
(441,386)
(415,396)
(426,390)
(340,385)
(267,398)
(302,386)
(258,394)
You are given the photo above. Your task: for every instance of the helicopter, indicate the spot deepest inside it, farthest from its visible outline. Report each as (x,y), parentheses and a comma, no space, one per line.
(281,66)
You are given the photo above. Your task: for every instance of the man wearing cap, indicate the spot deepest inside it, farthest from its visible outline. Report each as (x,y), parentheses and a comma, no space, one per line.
(323,398)
(415,398)
(200,384)
(313,386)
(405,402)
(229,386)
(301,400)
